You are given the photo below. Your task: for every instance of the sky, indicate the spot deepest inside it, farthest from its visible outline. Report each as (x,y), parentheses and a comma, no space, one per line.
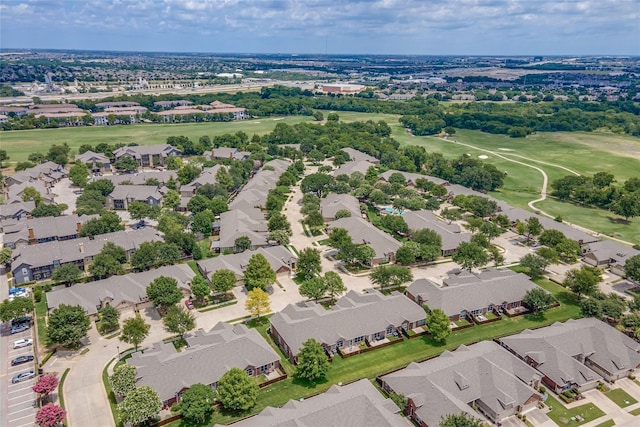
(419,27)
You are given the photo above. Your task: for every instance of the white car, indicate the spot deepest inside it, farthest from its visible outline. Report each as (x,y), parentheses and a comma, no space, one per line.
(22,343)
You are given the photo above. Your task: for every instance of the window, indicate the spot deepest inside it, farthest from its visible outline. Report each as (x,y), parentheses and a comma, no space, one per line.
(490,308)
(250,372)
(25,271)
(358,339)
(340,343)
(389,330)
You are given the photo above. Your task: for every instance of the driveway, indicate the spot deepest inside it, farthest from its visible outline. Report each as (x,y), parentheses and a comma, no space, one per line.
(66,193)
(539,418)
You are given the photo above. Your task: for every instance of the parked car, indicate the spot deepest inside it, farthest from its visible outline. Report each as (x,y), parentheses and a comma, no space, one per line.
(24,342)
(23,376)
(21,320)
(19,328)
(21,359)
(140,224)
(189,304)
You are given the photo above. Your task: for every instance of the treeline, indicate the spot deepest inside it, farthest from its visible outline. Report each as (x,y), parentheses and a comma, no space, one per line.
(599,191)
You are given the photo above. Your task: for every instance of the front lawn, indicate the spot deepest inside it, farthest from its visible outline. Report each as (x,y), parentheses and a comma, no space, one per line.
(563,416)
(621,397)
(41,320)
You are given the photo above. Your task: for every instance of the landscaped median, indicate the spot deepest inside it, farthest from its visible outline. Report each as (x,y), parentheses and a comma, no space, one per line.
(387,359)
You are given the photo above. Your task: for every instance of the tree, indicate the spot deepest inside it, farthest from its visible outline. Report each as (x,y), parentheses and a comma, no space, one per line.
(309,264)
(258,273)
(188,173)
(364,254)
(535,263)
(102,186)
(281,237)
(50,415)
(164,292)
(222,281)
(236,391)
(314,219)
(568,250)
(318,183)
(6,254)
(583,280)
(200,288)
(591,307)
(171,198)
(312,361)
(19,307)
(334,285)
(104,265)
(155,254)
(408,253)
(202,222)
(551,237)
(109,317)
(394,223)
(613,307)
(178,321)
(134,331)
(79,174)
(68,324)
(173,163)
(549,254)
(123,379)
(490,230)
(390,276)
(538,300)
(46,210)
(632,268)
(460,420)
(278,221)
(126,164)
(257,302)
(140,404)
(241,244)
(139,210)
(470,255)
(31,194)
(198,203)
(342,213)
(628,205)
(313,288)
(438,324)
(533,227)
(197,403)
(107,223)
(45,385)
(4,156)
(318,116)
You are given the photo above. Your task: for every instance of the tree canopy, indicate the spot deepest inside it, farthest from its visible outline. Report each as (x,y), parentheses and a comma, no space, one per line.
(68,324)
(236,391)
(312,361)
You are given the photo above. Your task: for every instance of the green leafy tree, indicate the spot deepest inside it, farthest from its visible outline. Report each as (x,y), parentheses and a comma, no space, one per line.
(551,237)
(66,273)
(178,321)
(583,280)
(538,300)
(278,221)
(140,404)
(104,266)
(139,210)
(171,198)
(533,227)
(123,380)
(535,263)
(628,205)
(568,250)
(109,317)
(107,223)
(364,254)
(460,420)
(163,292)
(309,263)
(312,361)
(281,237)
(223,280)
(198,203)
(236,391)
(241,244)
(318,183)
(102,186)
(200,288)
(613,307)
(259,273)
(549,254)
(134,331)
(19,307)
(188,173)
(126,164)
(591,307)
(197,403)
(314,219)
(47,210)
(79,174)
(470,255)
(342,213)
(438,324)
(394,223)
(68,324)
(31,194)
(334,285)
(632,268)
(257,302)
(155,254)
(386,276)
(6,254)
(313,288)
(3,156)
(202,222)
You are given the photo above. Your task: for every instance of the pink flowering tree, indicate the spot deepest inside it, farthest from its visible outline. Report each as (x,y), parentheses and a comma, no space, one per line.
(46,384)
(50,415)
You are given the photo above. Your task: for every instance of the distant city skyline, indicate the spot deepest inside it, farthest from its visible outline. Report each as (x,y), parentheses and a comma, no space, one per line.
(403,27)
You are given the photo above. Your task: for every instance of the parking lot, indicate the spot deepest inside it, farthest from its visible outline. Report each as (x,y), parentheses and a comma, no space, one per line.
(19,400)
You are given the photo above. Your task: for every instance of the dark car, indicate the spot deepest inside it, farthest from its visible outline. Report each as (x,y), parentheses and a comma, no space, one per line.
(19,328)
(21,320)
(139,225)
(23,376)
(22,359)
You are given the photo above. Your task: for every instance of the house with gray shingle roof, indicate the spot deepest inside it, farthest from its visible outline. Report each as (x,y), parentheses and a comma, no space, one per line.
(481,376)
(451,234)
(576,353)
(355,318)
(411,178)
(41,230)
(207,176)
(355,404)
(363,232)
(123,195)
(37,262)
(280,259)
(357,156)
(249,222)
(348,168)
(227,153)
(472,295)
(147,155)
(48,173)
(119,292)
(14,193)
(16,211)
(98,162)
(608,253)
(208,356)
(141,177)
(333,203)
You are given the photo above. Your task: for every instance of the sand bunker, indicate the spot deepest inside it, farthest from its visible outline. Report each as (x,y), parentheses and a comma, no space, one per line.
(483,157)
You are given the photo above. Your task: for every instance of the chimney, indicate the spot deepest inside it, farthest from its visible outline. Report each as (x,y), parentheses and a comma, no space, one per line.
(81,246)
(78,226)
(32,236)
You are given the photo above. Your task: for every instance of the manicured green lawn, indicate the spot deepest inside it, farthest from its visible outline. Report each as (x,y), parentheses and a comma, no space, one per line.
(635,412)
(621,397)
(41,319)
(562,416)
(112,397)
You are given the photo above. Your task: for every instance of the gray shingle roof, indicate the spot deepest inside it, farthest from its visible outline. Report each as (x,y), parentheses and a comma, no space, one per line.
(335,202)
(348,168)
(608,250)
(92,157)
(47,227)
(248,222)
(358,404)
(278,258)
(557,346)
(411,177)
(209,356)
(127,289)
(357,156)
(450,233)
(207,176)
(139,150)
(135,192)
(451,382)
(362,231)
(12,209)
(139,178)
(354,315)
(473,293)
